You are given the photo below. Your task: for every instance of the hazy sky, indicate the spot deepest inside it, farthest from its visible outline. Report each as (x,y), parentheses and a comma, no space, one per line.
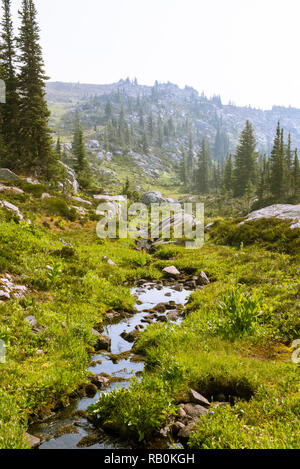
(245,50)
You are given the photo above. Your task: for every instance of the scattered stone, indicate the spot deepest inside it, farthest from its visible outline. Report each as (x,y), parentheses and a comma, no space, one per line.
(82,201)
(32,441)
(284,212)
(40,352)
(45,196)
(110,262)
(100,381)
(176,427)
(103,342)
(198,399)
(67,430)
(171,271)
(173,316)
(203,279)
(130,336)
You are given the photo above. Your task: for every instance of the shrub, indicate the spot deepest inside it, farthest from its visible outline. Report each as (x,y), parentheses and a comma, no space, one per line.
(58,207)
(240,313)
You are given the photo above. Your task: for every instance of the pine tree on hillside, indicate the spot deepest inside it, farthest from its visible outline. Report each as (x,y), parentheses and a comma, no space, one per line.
(78,150)
(228,173)
(296,177)
(278,177)
(202,176)
(263,178)
(36,145)
(190,158)
(9,111)
(245,161)
(183,173)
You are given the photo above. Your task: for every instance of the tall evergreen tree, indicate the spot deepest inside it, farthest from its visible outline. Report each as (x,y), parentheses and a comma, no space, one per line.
(183,170)
(78,150)
(228,174)
(296,177)
(278,177)
(202,177)
(36,144)
(245,161)
(9,111)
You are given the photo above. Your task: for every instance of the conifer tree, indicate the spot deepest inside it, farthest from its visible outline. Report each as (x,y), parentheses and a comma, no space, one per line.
(228,173)
(9,111)
(36,145)
(296,177)
(278,177)
(183,172)
(245,161)
(78,150)
(202,177)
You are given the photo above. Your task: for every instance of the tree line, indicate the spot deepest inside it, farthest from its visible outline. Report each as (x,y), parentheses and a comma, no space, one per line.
(246,173)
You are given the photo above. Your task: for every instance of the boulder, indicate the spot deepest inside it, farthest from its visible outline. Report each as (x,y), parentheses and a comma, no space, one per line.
(194,410)
(281,211)
(198,399)
(203,279)
(153,197)
(171,271)
(8,175)
(100,381)
(45,196)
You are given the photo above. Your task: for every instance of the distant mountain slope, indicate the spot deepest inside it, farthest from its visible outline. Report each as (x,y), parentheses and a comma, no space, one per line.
(205,115)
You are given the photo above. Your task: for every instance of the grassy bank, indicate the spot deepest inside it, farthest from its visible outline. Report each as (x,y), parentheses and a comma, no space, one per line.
(234,343)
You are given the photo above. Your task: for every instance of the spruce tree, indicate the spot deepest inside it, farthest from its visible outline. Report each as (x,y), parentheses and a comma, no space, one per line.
(278,177)
(202,177)
(78,150)
(183,172)
(228,174)
(9,111)
(245,161)
(296,177)
(36,145)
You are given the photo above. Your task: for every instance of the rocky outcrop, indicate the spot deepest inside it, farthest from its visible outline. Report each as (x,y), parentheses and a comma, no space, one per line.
(9,289)
(11,190)
(11,208)
(153,197)
(71,182)
(8,175)
(283,212)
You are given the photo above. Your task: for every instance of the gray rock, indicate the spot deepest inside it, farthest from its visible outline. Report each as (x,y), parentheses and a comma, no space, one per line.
(198,398)
(8,175)
(283,212)
(31,320)
(71,182)
(171,271)
(153,197)
(194,410)
(203,279)
(110,262)
(185,432)
(11,208)
(12,190)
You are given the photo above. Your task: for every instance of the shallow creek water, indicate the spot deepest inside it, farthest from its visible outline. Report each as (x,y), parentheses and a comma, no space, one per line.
(150,296)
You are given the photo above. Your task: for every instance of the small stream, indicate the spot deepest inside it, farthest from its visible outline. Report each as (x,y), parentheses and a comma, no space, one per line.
(148,296)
